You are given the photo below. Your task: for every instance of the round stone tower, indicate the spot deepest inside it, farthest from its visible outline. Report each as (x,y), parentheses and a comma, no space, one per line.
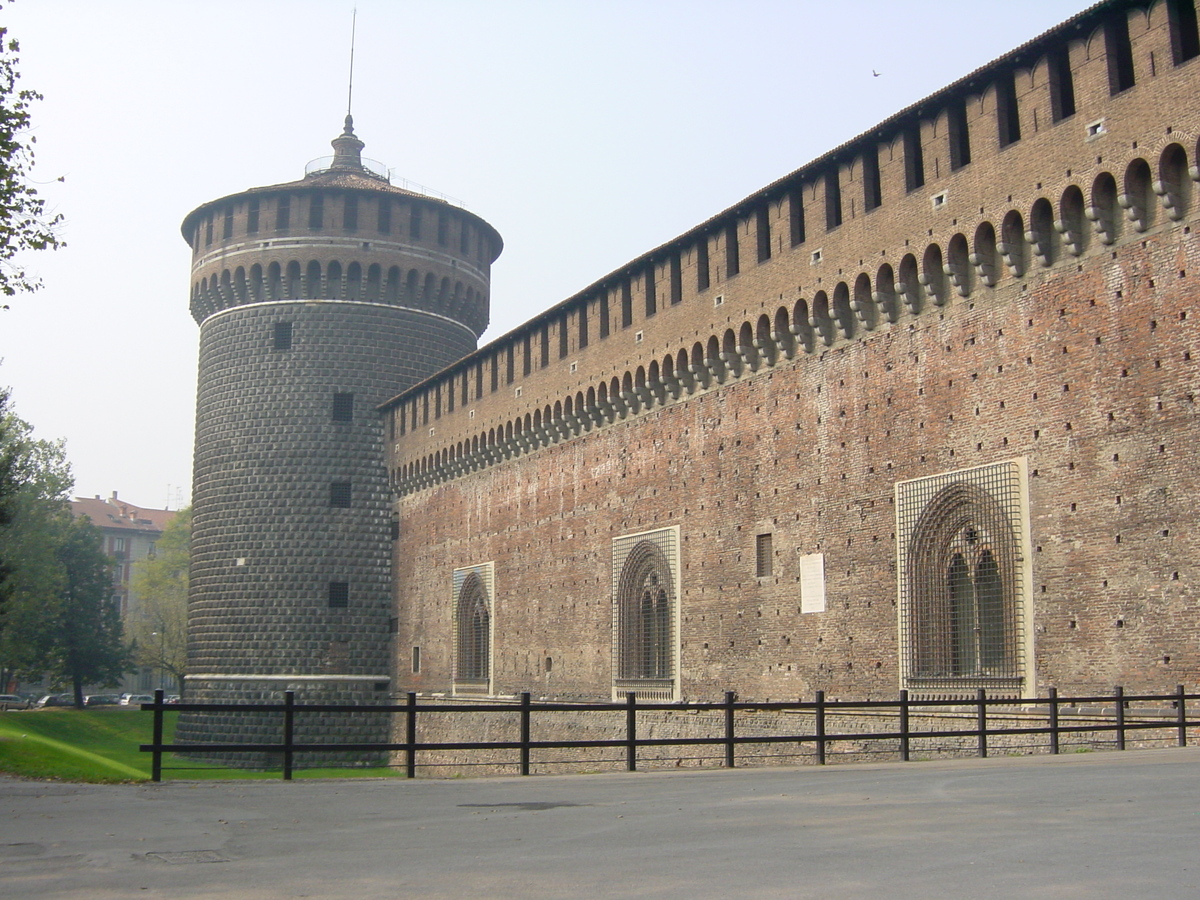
(317,300)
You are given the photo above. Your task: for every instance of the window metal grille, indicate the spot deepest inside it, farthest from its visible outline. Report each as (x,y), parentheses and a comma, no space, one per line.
(282,336)
(339,594)
(646,615)
(339,494)
(764,556)
(962,542)
(473,629)
(343,407)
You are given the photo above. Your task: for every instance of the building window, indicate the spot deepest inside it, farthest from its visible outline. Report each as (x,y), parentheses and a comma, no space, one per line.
(118,545)
(339,494)
(227,227)
(833,198)
(645,592)
(384,225)
(914,158)
(583,325)
(1119,52)
(1008,120)
(343,407)
(732,260)
(282,336)
(416,656)
(959,134)
(316,211)
(208,223)
(283,214)
(350,213)
(1062,84)
(651,292)
(252,216)
(1185,38)
(339,594)
(564,337)
(962,546)
(762,228)
(872,192)
(603,316)
(443,231)
(764,558)
(473,629)
(414,223)
(676,279)
(702,274)
(626,304)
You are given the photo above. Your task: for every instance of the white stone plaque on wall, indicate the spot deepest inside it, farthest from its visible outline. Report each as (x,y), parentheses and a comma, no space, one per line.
(812,583)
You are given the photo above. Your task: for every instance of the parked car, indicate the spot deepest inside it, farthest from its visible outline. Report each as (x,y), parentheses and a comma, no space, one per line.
(135,699)
(56,700)
(101,700)
(12,701)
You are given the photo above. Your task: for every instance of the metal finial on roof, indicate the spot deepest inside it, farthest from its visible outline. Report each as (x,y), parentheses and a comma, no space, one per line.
(350,91)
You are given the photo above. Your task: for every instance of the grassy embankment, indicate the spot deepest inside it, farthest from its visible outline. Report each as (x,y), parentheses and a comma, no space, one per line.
(101,745)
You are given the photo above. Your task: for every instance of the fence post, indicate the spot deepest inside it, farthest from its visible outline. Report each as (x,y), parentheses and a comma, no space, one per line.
(156,761)
(981,719)
(289,728)
(1182,714)
(1119,698)
(524,732)
(730,696)
(820,713)
(904,731)
(1053,700)
(410,736)
(631,731)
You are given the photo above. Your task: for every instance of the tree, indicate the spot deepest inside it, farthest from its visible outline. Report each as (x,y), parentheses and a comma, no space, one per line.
(160,582)
(57,615)
(24,224)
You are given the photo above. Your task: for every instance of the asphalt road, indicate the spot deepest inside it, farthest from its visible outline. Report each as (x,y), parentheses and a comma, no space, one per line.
(1095,825)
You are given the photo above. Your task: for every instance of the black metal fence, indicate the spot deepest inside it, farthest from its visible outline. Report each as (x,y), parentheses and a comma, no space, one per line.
(1040,716)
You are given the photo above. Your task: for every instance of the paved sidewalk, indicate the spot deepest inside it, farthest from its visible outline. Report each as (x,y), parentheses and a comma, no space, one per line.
(1096,825)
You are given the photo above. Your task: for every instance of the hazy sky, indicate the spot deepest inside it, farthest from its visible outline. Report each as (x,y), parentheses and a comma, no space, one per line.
(586,133)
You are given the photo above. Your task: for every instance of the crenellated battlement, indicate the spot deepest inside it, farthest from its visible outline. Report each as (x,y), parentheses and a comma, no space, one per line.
(1010,177)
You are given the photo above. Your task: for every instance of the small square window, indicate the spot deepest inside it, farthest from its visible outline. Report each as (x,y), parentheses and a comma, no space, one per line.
(937,201)
(339,494)
(815,258)
(339,594)
(343,407)
(283,336)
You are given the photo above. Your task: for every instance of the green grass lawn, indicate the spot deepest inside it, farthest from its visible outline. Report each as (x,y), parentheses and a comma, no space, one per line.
(101,745)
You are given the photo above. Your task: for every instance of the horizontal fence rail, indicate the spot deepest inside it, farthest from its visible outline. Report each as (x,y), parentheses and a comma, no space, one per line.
(1104,713)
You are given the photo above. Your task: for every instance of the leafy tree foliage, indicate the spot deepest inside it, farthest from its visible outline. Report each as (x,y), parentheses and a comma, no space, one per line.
(24,223)
(159,627)
(57,616)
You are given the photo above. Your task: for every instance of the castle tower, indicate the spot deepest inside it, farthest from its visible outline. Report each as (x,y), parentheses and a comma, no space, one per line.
(317,300)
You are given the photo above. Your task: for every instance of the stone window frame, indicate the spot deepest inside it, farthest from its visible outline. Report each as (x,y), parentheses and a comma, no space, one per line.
(646,629)
(473,598)
(958,630)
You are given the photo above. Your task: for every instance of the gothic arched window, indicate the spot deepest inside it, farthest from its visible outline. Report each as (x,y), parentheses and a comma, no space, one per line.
(644,608)
(473,631)
(962,579)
